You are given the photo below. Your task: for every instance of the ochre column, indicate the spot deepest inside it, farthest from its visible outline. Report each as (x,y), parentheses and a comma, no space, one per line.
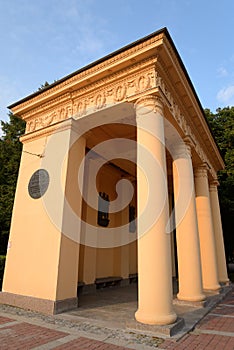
(218,232)
(154,251)
(188,250)
(206,232)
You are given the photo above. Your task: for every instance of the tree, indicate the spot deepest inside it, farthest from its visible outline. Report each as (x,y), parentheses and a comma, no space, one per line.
(10,153)
(222,125)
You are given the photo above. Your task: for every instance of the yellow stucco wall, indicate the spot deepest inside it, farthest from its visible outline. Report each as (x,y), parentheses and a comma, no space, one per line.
(32,259)
(42,259)
(103,262)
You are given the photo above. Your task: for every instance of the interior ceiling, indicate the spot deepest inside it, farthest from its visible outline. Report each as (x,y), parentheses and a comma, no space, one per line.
(106,132)
(118,127)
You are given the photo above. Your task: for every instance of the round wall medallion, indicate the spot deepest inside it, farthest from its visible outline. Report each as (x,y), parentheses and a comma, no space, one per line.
(38,183)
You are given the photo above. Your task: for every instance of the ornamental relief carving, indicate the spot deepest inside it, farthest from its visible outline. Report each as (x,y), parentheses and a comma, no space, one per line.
(92,102)
(114,93)
(120,92)
(56,103)
(42,121)
(107,82)
(181,120)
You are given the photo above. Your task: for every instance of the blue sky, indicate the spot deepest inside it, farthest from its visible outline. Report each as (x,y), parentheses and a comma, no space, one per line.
(45,40)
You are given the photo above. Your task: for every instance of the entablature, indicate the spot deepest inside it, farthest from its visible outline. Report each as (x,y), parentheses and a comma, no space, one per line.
(150,66)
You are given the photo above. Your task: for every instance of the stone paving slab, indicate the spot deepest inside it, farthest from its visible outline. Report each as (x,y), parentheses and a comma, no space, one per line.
(168,330)
(90,344)
(5,320)
(26,336)
(218,323)
(25,330)
(201,342)
(214,331)
(223,309)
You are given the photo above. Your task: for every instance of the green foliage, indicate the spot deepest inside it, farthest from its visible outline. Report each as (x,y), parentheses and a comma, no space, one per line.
(2,265)
(222,125)
(10,153)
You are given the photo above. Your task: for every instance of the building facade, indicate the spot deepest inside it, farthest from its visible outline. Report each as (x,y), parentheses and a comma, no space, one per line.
(118,178)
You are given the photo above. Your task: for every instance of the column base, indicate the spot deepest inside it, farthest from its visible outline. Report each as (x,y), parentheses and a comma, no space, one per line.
(195,304)
(192,298)
(155,319)
(225,283)
(212,291)
(214,288)
(45,306)
(162,331)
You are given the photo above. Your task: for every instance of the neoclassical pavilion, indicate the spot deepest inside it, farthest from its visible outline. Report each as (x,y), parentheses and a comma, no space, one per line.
(118,178)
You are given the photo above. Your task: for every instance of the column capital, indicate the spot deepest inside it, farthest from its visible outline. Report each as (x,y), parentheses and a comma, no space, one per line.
(213,186)
(215,182)
(181,150)
(189,141)
(147,104)
(201,171)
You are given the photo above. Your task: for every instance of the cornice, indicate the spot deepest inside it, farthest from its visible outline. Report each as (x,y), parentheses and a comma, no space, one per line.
(196,110)
(126,58)
(102,95)
(68,124)
(71,95)
(184,126)
(125,75)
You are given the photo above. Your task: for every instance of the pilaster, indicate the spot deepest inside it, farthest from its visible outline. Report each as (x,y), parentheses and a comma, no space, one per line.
(45,231)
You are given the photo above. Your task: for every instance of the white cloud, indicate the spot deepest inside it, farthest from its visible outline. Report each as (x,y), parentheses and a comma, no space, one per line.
(226,95)
(222,72)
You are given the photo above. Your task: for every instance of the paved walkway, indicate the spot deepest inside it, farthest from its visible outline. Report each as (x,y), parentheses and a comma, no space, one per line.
(24,330)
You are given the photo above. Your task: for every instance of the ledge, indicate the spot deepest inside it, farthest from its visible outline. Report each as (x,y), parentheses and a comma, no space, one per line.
(157,330)
(45,306)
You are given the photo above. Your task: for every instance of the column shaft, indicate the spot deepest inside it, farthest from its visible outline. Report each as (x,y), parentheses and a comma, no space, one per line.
(206,232)
(188,250)
(154,252)
(218,232)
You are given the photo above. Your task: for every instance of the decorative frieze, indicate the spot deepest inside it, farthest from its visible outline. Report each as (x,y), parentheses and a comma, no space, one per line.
(182,122)
(78,104)
(111,90)
(51,117)
(134,79)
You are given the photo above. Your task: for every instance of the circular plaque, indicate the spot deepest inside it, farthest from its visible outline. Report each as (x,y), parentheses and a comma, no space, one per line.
(38,183)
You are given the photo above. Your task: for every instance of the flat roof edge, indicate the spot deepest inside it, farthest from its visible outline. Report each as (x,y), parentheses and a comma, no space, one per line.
(92,64)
